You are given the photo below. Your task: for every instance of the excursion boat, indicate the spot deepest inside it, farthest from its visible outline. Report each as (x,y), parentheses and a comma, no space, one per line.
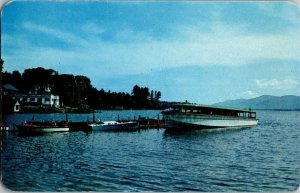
(42,127)
(197,116)
(114,126)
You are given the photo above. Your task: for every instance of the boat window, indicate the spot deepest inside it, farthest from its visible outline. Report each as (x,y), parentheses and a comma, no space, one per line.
(195,111)
(252,115)
(188,110)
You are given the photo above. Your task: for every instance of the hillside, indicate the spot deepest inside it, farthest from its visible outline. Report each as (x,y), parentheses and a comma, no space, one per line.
(287,102)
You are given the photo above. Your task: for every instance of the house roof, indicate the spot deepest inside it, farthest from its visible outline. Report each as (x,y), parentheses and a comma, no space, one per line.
(10,87)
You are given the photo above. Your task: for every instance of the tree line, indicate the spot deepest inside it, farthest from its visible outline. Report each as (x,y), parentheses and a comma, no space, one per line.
(77,91)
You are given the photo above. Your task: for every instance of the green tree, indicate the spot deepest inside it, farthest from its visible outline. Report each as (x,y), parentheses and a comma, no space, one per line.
(65,87)
(77,91)
(136,91)
(151,95)
(36,77)
(83,88)
(157,96)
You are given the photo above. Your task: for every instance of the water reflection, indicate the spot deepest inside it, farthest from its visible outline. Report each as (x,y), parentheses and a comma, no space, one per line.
(35,134)
(186,133)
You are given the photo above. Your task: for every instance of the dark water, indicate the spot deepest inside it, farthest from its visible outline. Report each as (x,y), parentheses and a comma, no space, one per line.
(262,158)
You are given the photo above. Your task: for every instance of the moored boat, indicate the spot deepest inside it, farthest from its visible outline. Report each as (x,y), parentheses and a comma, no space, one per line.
(42,127)
(114,126)
(196,116)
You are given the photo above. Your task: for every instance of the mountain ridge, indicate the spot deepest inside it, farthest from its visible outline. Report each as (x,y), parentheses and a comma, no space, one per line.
(268,102)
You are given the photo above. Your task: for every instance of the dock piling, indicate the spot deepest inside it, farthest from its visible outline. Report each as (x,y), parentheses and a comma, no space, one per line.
(158,122)
(148,123)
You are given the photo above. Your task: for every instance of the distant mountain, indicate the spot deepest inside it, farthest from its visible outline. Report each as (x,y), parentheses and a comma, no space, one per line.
(287,102)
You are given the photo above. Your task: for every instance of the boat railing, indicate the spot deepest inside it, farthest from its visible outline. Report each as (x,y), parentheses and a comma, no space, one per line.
(215,115)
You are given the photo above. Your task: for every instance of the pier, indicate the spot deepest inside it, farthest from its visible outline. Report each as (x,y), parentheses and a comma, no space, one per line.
(151,123)
(144,123)
(155,122)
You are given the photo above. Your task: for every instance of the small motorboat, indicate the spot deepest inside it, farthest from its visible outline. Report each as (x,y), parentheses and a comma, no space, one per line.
(114,126)
(42,127)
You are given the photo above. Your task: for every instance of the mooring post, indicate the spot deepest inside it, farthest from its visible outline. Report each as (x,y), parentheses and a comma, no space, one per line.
(94,120)
(139,122)
(158,121)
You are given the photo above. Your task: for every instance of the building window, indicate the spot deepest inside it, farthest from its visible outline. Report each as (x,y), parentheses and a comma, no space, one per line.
(32,99)
(47,99)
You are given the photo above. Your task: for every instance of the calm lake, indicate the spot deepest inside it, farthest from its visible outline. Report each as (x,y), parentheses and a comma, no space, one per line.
(262,158)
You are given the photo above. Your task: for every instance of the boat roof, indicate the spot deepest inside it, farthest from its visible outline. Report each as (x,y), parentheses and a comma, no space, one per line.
(212,107)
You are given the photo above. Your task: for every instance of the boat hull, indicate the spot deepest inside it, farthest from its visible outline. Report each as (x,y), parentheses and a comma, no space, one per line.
(40,129)
(207,121)
(114,126)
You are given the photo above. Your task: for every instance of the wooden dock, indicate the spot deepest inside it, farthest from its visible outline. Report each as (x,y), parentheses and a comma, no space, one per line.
(147,123)
(144,123)
(78,126)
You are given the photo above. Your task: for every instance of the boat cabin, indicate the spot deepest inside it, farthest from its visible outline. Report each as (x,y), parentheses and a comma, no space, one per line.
(210,110)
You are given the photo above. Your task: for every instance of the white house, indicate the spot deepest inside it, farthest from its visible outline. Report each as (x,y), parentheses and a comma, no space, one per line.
(37,97)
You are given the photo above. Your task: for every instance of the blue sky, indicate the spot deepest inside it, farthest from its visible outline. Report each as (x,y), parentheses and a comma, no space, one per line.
(203,52)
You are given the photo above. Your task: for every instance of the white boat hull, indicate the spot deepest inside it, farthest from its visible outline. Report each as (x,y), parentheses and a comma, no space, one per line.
(30,128)
(114,126)
(46,130)
(207,121)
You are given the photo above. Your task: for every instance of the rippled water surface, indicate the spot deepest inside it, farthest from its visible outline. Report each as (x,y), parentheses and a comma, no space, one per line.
(262,158)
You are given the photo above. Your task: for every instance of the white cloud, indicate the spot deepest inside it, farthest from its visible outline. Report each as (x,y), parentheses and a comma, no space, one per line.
(287,11)
(250,94)
(223,46)
(63,36)
(287,83)
(93,29)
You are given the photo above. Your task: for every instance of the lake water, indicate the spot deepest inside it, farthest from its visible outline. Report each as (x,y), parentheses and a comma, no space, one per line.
(262,158)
